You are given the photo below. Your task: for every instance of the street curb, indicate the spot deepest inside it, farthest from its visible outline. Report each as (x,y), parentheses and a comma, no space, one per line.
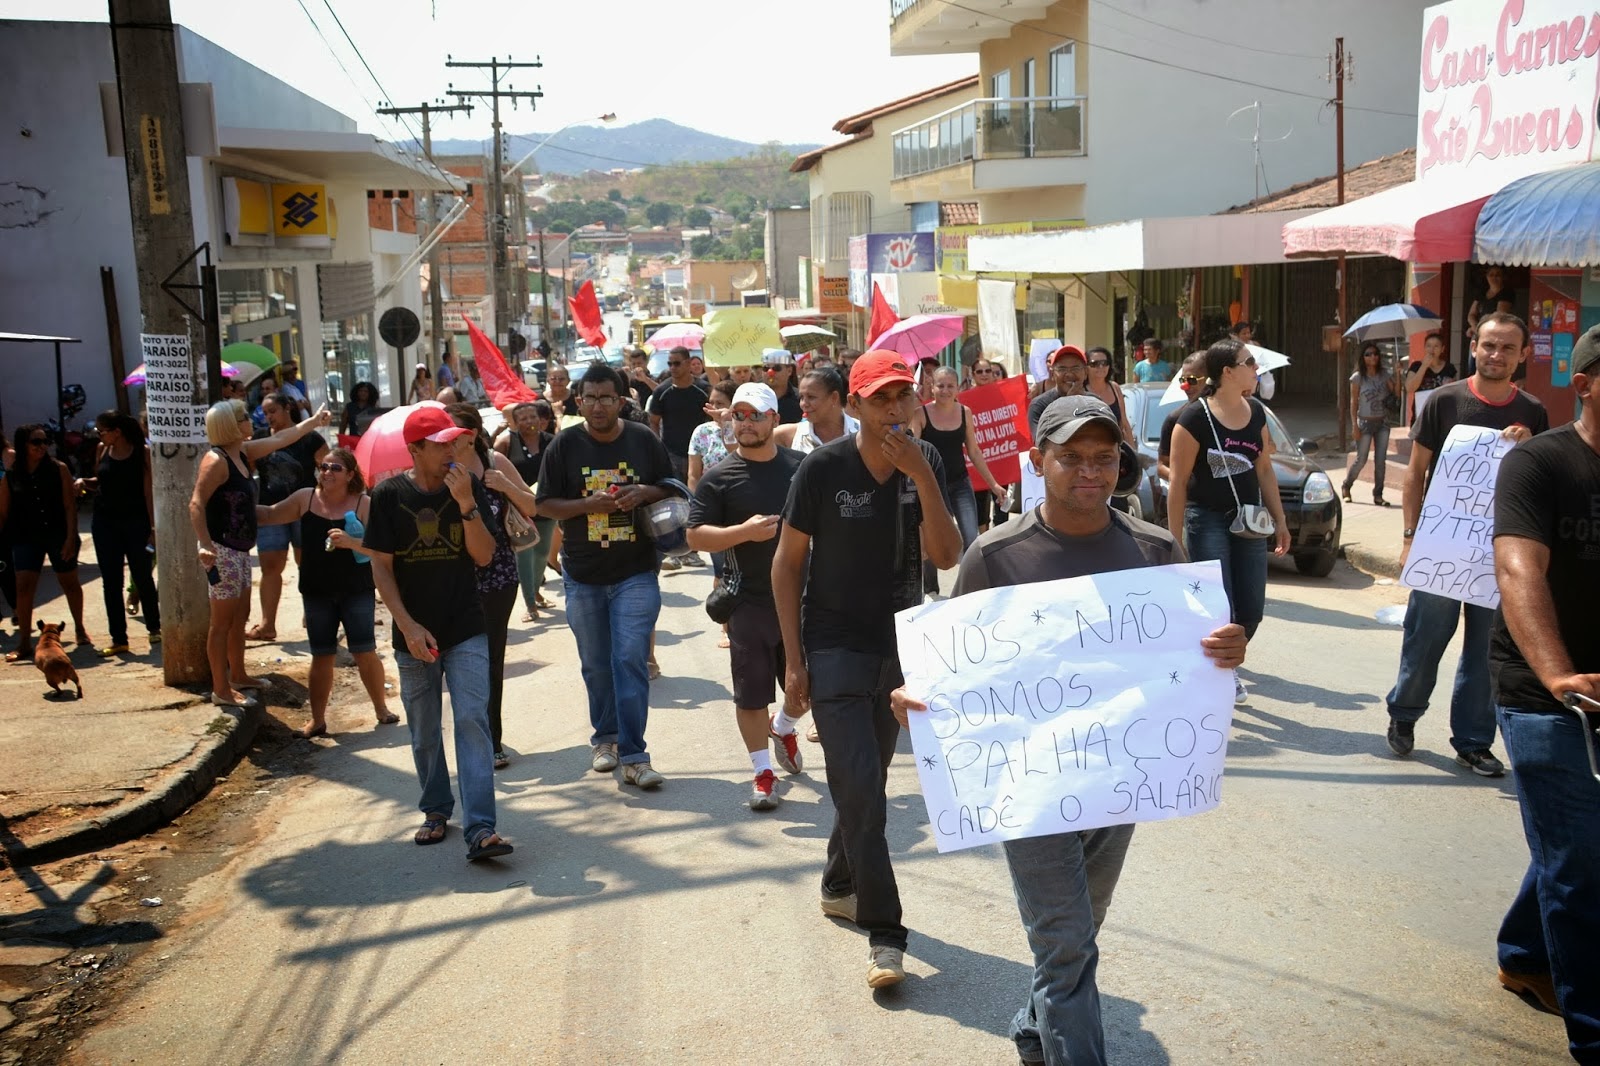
(212,756)
(1376,563)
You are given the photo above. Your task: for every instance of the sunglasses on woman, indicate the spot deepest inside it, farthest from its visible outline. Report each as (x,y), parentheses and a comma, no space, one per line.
(1099,364)
(1248,360)
(331,468)
(39,442)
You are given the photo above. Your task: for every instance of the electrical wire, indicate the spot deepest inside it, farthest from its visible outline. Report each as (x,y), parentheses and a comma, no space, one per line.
(1203,37)
(383,120)
(1174,66)
(353,47)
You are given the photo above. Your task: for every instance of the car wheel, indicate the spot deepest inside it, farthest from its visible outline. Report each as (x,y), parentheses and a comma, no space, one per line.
(1315,564)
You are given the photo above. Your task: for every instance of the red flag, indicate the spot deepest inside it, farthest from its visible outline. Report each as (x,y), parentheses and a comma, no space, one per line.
(499,381)
(883,317)
(586,315)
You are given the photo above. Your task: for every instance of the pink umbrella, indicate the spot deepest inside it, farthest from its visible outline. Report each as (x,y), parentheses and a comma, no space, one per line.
(137,377)
(381,452)
(921,336)
(674,334)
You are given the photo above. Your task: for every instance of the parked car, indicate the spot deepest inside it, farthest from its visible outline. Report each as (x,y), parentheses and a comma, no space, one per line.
(1310,502)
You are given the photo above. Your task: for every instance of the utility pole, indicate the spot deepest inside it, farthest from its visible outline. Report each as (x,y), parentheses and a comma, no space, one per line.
(544,293)
(145,50)
(1338,153)
(497,221)
(426,219)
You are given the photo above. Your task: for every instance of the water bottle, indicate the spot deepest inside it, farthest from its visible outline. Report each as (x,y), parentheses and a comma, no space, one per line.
(354,528)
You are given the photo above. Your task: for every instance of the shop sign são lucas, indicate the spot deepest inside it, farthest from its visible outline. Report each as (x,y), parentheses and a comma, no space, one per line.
(1508,83)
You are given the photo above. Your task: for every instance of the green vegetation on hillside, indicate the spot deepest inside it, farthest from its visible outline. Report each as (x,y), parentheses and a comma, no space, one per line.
(740,186)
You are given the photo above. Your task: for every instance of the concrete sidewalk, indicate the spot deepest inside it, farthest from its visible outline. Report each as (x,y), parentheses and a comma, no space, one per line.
(76,775)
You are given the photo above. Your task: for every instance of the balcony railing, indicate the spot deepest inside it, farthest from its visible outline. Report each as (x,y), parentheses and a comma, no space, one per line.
(1018,127)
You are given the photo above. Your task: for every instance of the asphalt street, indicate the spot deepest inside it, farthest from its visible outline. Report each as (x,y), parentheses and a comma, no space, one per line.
(1339,907)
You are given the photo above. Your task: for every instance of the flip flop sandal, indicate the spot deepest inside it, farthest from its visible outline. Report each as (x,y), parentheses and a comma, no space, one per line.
(482,850)
(430,825)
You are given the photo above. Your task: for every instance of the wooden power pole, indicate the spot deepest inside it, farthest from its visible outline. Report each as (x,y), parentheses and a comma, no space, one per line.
(496,222)
(1338,166)
(145,48)
(425,221)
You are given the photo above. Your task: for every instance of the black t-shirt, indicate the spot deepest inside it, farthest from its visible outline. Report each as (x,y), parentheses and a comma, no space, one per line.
(641,392)
(855,582)
(1037,406)
(1029,550)
(289,468)
(789,406)
(1458,405)
(1208,481)
(603,549)
(425,533)
(1164,447)
(735,490)
(1432,379)
(1549,491)
(680,410)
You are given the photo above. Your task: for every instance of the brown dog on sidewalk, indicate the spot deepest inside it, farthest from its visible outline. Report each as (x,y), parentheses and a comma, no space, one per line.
(52,661)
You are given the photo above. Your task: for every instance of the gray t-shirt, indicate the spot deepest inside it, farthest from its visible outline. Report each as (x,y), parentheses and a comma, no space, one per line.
(1028,550)
(1374,387)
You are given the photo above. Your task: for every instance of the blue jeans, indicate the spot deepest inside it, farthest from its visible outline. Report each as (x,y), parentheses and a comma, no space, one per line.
(1430,624)
(964,509)
(1553,925)
(1064,883)
(850,705)
(1374,436)
(1244,562)
(612,625)
(465,667)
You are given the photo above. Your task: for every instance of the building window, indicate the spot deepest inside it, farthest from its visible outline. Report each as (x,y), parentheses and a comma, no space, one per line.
(849,214)
(349,359)
(1063,73)
(1000,85)
(261,305)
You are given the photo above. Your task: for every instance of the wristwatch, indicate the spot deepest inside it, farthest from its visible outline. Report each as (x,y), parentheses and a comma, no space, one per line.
(1408,533)
(470,515)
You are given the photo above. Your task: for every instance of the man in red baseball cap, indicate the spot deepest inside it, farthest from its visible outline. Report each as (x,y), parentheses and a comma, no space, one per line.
(862,510)
(428,530)
(1069,376)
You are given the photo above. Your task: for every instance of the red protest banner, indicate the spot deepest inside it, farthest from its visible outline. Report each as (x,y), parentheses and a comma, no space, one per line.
(1000,419)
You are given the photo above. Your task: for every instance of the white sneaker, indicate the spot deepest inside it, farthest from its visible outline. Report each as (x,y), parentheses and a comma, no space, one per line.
(671,562)
(762,797)
(1240,696)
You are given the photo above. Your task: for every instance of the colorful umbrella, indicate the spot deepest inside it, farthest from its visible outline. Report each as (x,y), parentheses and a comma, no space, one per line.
(382,450)
(920,336)
(137,377)
(254,354)
(1393,322)
(675,334)
(806,338)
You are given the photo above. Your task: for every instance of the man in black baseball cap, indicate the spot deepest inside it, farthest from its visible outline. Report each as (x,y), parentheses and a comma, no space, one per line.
(1544,649)
(1064,881)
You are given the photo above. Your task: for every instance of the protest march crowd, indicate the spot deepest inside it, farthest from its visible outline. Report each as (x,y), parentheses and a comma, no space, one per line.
(828,497)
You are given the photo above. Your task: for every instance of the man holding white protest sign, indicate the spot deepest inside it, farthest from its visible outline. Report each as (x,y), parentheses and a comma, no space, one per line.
(1486,400)
(1043,733)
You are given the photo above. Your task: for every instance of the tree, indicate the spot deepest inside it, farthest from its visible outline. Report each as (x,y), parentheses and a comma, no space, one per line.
(739,205)
(660,213)
(705,246)
(614,195)
(561,227)
(704,197)
(697,218)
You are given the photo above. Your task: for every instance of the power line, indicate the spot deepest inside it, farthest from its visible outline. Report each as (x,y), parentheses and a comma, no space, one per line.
(388,126)
(1203,37)
(1173,66)
(353,47)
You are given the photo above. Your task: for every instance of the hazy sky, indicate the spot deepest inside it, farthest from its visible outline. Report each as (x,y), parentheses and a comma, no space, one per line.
(744,69)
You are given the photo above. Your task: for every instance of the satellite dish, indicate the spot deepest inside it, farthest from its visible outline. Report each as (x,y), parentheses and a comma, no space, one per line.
(399,327)
(746,281)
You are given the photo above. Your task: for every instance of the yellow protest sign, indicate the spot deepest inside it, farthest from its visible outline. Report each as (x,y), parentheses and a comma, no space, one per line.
(736,336)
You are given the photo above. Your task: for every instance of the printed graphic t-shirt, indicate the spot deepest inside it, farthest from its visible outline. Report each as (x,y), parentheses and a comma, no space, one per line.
(603,549)
(425,533)
(1240,448)
(855,581)
(1549,491)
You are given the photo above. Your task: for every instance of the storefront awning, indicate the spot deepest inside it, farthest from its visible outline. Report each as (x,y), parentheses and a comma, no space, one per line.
(1143,244)
(312,155)
(1426,221)
(1550,219)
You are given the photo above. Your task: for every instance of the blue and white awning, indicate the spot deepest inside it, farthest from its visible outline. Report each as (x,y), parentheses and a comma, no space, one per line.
(1549,219)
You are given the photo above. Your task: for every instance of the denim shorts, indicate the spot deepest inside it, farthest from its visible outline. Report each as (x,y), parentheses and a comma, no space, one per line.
(325,613)
(30,558)
(278,538)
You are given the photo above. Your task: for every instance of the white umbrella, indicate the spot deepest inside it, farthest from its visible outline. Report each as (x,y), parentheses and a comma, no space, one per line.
(1266,360)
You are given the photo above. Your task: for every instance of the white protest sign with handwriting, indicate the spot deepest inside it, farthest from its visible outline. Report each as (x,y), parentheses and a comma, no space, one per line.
(1032,485)
(1067,705)
(1452,554)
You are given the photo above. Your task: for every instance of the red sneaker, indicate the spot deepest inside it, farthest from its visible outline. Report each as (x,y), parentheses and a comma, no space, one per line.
(786,749)
(761,795)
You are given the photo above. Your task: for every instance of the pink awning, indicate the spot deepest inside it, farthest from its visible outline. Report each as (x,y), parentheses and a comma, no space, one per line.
(1427,221)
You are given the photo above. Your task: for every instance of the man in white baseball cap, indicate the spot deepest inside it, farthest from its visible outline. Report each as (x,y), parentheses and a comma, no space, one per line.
(736,509)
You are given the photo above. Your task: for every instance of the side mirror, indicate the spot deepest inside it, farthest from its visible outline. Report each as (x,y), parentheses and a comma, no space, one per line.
(1306,445)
